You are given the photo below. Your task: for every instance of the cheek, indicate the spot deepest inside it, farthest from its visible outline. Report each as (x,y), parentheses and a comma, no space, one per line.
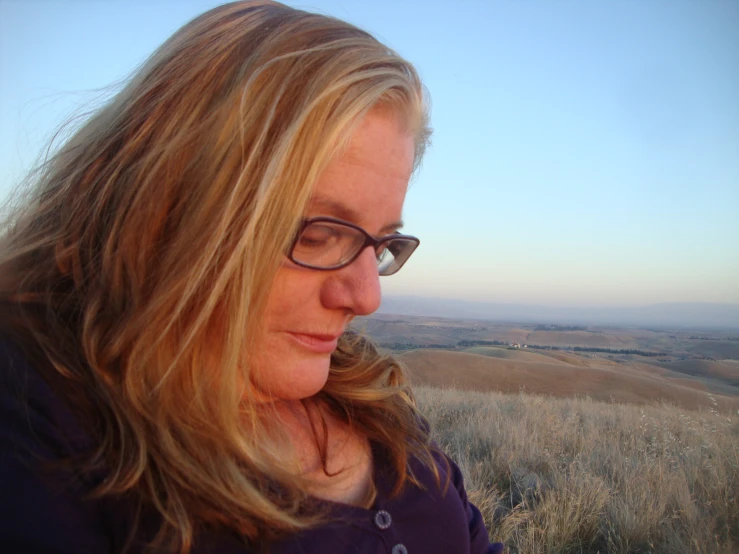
(279,367)
(284,374)
(292,296)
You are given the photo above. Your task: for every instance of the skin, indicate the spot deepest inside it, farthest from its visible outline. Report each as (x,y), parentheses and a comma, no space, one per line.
(307,310)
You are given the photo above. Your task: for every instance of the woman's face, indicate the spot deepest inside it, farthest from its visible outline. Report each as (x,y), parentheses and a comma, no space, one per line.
(307,310)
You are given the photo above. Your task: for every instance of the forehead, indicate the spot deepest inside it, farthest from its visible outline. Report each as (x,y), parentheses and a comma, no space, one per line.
(366,183)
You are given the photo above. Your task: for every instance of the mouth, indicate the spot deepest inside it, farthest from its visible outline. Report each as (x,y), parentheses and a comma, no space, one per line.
(320,344)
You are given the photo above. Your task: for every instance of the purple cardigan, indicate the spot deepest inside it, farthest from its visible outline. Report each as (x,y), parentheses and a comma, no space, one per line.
(45,510)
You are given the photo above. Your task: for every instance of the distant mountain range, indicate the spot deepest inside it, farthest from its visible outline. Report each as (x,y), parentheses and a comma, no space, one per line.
(675,315)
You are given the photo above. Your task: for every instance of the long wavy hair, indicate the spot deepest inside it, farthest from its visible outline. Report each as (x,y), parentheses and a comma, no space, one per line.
(135,271)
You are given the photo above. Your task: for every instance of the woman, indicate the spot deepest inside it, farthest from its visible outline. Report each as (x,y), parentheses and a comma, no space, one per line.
(178,371)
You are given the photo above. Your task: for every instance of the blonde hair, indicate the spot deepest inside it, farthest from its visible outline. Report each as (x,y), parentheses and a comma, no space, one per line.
(138,269)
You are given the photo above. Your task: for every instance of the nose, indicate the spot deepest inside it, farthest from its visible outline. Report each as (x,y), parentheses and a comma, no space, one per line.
(356,287)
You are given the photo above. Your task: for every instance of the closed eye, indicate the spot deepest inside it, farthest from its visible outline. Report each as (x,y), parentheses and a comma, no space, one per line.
(318,236)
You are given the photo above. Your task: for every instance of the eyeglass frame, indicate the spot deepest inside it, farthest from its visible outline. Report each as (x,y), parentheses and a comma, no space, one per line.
(369,240)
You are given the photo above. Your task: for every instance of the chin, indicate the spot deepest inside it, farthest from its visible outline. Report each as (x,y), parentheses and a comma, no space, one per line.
(294,379)
(309,378)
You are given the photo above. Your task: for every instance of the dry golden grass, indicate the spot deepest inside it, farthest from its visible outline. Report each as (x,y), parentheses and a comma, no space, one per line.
(580,338)
(724,369)
(554,475)
(506,353)
(559,374)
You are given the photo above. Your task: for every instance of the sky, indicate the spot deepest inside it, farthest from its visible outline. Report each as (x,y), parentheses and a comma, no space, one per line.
(584,153)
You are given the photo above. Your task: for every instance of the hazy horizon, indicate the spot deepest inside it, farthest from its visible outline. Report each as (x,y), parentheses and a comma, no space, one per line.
(686,315)
(584,154)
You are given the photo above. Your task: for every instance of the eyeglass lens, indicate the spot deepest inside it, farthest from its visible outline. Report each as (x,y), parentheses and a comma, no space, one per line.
(325,244)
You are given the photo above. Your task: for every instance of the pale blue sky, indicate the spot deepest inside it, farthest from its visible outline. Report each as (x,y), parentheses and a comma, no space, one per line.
(584,153)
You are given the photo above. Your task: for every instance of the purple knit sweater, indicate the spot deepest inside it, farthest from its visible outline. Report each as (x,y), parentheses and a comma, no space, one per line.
(42,510)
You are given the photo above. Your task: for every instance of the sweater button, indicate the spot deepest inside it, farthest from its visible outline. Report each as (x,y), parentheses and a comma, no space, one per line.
(399,549)
(383,521)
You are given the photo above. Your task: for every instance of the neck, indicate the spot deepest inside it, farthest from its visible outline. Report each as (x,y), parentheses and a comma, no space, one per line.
(334,458)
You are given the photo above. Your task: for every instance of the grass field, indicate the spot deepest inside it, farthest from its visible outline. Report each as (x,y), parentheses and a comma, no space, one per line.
(568,475)
(726,370)
(425,331)
(564,374)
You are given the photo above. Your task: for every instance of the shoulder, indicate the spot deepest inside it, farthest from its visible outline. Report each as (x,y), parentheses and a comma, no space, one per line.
(437,515)
(32,413)
(36,425)
(46,503)
(41,508)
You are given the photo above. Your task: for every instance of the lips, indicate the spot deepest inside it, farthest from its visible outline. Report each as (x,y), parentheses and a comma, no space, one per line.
(320,344)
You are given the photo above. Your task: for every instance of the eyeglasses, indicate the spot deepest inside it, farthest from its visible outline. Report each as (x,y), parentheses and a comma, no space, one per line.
(326,243)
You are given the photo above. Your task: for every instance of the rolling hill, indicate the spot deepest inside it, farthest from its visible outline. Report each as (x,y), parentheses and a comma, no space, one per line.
(565,375)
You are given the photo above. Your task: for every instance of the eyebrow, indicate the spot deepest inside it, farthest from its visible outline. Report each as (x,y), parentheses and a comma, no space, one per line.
(341,211)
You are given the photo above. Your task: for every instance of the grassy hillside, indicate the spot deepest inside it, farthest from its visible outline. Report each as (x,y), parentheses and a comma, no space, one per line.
(508,353)
(580,338)
(394,331)
(564,375)
(726,370)
(555,475)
